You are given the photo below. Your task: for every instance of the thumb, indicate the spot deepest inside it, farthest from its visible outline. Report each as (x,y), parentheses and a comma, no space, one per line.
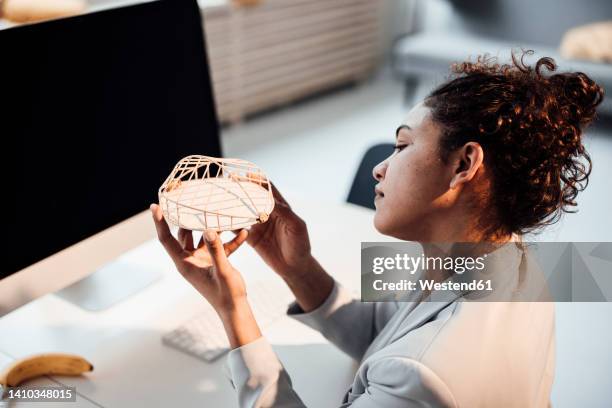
(216,250)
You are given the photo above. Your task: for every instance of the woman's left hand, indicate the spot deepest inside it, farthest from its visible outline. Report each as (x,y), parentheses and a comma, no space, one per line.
(205,266)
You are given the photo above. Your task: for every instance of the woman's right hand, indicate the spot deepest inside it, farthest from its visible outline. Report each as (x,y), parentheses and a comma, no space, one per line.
(282,241)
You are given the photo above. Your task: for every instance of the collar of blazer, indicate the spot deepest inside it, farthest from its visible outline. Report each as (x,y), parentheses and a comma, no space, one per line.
(504,260)
(424,311)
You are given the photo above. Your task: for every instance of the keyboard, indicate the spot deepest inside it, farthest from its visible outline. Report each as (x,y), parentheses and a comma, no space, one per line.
(203,335)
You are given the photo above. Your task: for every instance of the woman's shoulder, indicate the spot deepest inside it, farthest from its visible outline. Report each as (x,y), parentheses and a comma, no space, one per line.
(482,353)
(502,347)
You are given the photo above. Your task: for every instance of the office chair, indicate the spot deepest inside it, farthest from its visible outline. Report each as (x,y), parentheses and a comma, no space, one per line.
(362,190)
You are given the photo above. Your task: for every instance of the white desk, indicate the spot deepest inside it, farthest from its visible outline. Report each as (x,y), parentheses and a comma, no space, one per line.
(134,369)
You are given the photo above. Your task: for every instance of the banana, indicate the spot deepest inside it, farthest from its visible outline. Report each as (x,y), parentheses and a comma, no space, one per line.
(43,364)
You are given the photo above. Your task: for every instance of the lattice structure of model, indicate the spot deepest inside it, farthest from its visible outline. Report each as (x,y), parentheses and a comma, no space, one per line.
(209,193)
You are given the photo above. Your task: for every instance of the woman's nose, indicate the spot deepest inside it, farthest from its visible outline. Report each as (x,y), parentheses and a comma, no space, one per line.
(379,170)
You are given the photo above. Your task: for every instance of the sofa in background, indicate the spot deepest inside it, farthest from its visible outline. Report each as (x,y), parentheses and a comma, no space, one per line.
(446,31)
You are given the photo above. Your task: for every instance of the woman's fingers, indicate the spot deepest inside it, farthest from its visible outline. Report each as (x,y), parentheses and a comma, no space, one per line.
(278,197)
(231,246)
(235,243)
(164,235)
(259,179)
(256,178)
(186,239)
(217,251)
(201,242)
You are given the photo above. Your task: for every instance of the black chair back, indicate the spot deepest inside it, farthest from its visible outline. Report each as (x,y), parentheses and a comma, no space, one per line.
(362,190)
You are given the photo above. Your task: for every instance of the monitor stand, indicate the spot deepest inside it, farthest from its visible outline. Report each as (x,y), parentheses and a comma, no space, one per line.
(109,285)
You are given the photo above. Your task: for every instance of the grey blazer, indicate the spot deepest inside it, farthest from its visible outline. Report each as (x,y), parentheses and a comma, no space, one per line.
(443,353)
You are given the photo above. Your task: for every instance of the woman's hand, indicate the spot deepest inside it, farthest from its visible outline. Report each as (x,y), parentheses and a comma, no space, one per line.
(205,266)
(207,269)
(282,241)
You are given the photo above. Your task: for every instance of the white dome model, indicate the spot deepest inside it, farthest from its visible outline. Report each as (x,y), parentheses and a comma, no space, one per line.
(209,193)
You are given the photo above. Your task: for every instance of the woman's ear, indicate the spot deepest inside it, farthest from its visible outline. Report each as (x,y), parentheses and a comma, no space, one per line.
(466,162)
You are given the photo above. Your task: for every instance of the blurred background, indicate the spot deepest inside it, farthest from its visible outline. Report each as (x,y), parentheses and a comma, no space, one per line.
(304,88)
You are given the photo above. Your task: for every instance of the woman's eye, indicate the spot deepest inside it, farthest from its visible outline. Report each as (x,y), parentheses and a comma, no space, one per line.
(398,148)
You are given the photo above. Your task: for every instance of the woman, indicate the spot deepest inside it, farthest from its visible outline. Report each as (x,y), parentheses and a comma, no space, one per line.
(493,153)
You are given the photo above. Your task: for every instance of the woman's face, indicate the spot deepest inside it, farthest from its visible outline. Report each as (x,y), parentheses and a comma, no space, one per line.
(412,182)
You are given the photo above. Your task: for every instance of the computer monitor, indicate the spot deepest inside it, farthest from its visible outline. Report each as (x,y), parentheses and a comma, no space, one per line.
(95,111)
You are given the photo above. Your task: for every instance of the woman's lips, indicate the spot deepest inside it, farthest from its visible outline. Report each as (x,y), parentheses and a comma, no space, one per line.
(378,197)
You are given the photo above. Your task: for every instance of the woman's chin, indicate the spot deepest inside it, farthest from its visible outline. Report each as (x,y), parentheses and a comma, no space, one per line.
(391,229)
(380,223)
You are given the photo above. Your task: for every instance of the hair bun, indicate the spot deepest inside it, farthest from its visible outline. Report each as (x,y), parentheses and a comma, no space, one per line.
(579,96)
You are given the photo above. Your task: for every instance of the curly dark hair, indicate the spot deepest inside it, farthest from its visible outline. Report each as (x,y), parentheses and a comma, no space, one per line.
(529,124)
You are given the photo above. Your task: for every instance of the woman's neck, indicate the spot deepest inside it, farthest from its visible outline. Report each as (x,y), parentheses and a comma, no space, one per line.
(436,272)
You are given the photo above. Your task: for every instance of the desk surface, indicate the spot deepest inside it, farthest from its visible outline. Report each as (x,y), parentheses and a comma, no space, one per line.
(133,367)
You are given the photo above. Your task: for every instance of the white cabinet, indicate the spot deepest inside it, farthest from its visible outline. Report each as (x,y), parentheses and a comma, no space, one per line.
(282,50)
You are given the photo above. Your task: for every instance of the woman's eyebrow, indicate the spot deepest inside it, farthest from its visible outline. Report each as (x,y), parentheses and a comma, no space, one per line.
(400,128)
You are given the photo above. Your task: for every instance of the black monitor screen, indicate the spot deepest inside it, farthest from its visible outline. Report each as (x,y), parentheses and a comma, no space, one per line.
(95,110)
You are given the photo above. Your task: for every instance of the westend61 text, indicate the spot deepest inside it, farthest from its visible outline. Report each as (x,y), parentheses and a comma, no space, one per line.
(429,284)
